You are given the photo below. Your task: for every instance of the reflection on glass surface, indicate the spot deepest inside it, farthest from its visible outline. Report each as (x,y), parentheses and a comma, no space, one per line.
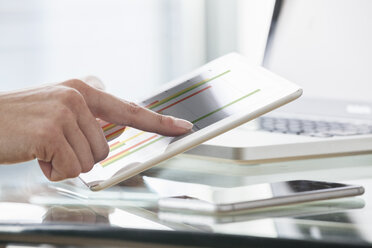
(12,212)
(266,220)
(261,228)
(309,229)
(77,215)
(215,195)
(238,195)
(133,205)
(129,220)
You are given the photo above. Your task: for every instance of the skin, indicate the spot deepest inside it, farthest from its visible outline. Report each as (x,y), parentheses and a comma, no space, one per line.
(56,124)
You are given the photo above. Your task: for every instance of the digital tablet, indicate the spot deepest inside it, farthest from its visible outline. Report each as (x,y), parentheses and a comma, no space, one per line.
(216,97)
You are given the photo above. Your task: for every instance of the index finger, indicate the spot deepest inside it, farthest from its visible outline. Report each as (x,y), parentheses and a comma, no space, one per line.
(121,112)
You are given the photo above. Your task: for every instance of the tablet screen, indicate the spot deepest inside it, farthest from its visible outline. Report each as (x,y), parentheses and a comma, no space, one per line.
(203,100)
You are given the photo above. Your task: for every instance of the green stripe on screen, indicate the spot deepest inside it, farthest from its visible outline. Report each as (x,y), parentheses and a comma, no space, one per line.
(225,106)
(169,98)
(129,153)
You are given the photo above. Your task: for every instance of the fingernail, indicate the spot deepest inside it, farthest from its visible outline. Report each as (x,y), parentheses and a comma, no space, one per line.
(183,123)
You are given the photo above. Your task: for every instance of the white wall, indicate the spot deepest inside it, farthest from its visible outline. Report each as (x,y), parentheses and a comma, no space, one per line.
(133,45)
(253,25)
(325,47)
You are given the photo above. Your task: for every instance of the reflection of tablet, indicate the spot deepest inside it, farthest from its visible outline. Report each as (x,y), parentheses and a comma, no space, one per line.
(217,97)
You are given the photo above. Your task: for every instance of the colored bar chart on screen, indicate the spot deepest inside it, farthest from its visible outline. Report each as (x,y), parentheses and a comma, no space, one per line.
(203,100)
(225,106)
(134,145)
(184,91)
(128,151)
(114,134)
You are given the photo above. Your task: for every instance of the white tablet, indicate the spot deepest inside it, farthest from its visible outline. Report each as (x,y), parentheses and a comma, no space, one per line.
(217,97)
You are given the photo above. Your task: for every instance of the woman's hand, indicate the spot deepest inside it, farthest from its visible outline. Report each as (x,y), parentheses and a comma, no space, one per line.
(57,125)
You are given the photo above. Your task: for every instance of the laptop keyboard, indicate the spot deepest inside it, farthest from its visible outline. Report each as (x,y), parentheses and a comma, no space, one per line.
(312,128)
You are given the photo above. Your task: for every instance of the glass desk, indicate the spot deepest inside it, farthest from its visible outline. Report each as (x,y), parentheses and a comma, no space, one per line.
(34,211)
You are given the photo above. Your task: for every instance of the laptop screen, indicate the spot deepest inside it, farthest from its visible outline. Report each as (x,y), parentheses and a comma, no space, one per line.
(325,46)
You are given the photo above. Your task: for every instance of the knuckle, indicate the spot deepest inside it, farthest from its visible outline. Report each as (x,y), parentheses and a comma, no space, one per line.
(161,119)
(80,86)
(134,108)
(164,120)
(55,177)
(77,84)
(86,168)
(160,122)
(74,172)
(48,131)
(63,113)
(103,152)
(46,142)
(87,165)
(70,96)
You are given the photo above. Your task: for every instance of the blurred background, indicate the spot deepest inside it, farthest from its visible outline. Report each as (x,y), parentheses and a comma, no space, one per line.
(132,45)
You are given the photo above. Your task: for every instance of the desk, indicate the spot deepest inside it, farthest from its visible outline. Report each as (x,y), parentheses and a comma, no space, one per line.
(33,210)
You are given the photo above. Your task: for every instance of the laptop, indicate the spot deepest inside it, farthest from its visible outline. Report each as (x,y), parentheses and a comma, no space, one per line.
(325,47)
